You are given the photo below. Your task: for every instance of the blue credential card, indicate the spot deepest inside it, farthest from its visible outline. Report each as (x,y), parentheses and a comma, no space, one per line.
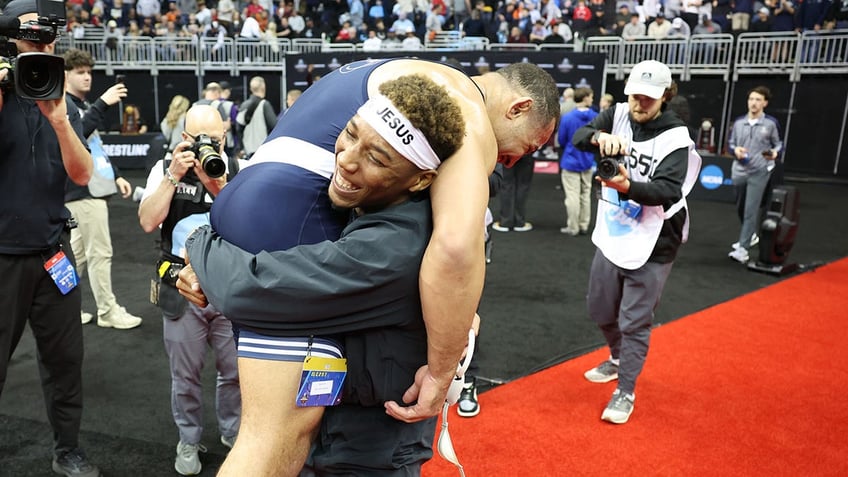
(321,381)
(62,272)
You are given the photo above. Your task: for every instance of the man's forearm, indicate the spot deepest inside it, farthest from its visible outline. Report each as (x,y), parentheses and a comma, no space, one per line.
(453,268)
(75,156)
(450,293)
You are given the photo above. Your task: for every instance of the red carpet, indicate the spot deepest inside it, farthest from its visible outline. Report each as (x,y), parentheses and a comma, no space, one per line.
(750,387)
(546,167)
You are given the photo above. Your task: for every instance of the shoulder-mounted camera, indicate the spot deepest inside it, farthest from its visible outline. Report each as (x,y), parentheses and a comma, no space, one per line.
(38,76)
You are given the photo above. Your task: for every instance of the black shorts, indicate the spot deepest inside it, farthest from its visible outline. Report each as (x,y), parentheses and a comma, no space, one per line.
(365,441)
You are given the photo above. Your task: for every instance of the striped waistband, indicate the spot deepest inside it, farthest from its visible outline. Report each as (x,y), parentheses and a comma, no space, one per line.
(275,348)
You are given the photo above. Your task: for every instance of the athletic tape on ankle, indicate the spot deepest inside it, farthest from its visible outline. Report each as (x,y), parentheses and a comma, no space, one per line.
(398,131)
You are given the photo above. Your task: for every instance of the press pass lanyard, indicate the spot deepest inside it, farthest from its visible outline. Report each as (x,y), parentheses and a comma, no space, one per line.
(444,444)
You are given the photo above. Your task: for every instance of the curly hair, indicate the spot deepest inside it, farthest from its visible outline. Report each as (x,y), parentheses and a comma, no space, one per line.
(75,58)
(429,108)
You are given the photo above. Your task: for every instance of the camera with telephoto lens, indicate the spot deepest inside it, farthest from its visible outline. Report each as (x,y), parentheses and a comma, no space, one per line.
(206,150)
(38,76)
(608,167)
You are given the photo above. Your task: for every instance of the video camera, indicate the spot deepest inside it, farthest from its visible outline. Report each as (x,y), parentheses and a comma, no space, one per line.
(38,76)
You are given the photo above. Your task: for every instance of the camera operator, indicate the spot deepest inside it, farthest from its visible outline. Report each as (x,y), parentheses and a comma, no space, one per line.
(41,147)
(91,240)
(177,199)
(641,222)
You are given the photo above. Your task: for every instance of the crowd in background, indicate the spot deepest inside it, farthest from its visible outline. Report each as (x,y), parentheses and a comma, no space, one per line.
(381,22)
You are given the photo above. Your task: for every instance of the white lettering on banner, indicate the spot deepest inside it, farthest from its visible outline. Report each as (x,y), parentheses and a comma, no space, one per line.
(126,150)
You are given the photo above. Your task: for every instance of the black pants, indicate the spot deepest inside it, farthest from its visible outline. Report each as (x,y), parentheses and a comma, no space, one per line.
(29,294)
(515,189)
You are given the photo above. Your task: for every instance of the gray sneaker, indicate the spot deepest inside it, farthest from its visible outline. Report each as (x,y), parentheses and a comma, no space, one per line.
(188,462)
(603,373)
(619,408)
(73,463)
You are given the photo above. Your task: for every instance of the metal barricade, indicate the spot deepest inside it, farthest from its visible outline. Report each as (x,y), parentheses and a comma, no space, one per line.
(331,47)
(176,53)
(260,54)
(137,52)
(710,55)
(513,47)
(771,53)
(307,45)
(447,40)
(789,53)
(824,52)
(95,48)
(671,51)
(611,47)
(475,43)
(217,55)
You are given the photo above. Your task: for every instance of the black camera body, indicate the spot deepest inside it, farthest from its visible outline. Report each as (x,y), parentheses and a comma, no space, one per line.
(608,167)
(206,150)
(37,76)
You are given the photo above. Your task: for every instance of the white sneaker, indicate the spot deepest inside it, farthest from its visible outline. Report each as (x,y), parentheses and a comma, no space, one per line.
(119,319)
(754,241)
(500,228)
(188,462)
(739,254)
(86,318)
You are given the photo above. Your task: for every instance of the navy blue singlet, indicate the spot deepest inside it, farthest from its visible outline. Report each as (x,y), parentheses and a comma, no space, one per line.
(280,200)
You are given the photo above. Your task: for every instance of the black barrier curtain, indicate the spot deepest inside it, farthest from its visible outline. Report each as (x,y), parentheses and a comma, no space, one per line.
(568,69)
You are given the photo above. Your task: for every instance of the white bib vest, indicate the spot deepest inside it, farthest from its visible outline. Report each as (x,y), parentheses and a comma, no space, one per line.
(627,240)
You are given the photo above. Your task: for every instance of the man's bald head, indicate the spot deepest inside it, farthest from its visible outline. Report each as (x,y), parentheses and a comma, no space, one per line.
(204,119)
(212,91)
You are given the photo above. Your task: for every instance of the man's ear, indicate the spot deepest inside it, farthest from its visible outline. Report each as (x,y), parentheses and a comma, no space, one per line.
(520,106)
(423,181)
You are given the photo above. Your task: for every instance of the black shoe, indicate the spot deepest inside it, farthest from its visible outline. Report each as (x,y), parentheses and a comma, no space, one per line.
(73,463)
(467,406)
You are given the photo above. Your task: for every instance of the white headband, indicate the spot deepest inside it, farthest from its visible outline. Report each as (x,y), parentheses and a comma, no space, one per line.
(396,129)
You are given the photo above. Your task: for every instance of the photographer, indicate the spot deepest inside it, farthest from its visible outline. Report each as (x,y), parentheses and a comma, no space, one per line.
(41,147)
(640,224)
(177,199)
(91,240)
